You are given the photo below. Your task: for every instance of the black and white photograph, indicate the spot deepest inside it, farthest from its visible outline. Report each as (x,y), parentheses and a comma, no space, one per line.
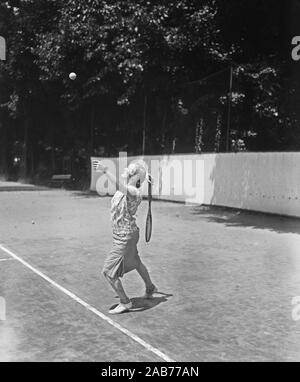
(149,183)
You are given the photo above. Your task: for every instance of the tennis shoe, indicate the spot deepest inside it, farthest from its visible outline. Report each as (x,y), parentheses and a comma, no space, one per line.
(149,293)
(121,308)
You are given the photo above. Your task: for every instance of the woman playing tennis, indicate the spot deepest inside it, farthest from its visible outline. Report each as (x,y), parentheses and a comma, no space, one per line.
(124,256)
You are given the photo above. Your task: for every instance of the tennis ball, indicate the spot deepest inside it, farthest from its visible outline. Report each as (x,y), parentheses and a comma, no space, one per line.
(72,76)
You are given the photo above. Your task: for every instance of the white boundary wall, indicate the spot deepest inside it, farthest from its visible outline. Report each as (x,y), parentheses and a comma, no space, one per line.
(266,182)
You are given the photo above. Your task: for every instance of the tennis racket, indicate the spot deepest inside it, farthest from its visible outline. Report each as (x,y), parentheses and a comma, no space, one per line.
(148,230)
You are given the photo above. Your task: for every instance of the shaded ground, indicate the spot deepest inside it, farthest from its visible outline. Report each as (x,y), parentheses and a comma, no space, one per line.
(227,278)
(15,186)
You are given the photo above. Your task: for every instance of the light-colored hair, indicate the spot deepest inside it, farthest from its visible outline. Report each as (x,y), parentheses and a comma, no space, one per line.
(137,169)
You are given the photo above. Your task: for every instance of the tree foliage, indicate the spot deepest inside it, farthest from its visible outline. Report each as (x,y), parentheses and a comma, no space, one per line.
(139,66)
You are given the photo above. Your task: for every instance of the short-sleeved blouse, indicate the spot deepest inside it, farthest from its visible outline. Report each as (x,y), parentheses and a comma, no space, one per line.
(123,210)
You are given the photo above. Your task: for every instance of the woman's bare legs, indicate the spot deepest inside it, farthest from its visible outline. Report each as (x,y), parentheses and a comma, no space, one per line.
(118,288)
(143,272)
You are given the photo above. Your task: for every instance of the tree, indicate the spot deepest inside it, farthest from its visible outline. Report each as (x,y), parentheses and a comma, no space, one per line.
(140,67)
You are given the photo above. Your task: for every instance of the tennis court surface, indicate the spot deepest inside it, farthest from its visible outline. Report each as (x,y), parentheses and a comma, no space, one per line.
(227,281)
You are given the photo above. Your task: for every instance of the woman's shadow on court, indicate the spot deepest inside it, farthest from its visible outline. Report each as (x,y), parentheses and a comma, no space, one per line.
(139,304)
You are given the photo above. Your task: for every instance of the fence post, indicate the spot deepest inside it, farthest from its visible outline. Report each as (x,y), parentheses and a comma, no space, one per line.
(229,109)
(2,48)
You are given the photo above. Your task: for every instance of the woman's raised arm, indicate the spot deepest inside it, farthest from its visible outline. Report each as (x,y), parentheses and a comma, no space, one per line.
(120,186)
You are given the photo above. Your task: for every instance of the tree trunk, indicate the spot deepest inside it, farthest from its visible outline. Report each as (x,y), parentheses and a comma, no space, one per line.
(163,131)
(92,130)
(144,126)
(25,150)
(3,149)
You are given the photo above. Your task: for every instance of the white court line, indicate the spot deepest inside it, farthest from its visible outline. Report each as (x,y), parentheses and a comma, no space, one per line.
(10,259)
(134,337)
